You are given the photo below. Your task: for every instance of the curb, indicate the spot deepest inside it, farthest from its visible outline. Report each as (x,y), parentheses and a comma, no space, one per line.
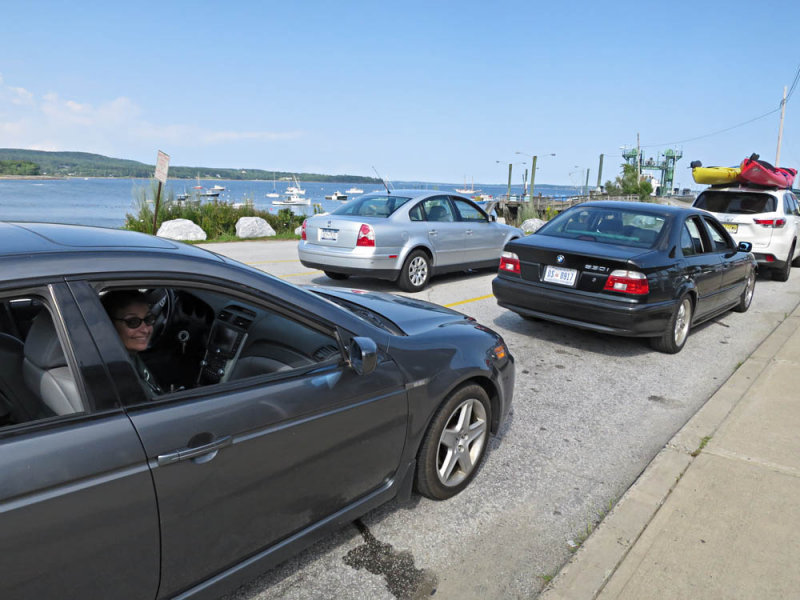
(586,574)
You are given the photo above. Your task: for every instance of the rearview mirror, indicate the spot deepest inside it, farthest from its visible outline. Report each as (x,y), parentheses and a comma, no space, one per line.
(363,355)
(745,247)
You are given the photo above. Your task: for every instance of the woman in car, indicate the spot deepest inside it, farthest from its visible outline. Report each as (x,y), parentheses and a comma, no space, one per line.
(130,313)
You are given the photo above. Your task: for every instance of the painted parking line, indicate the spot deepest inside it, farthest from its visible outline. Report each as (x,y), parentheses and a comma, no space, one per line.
(298,274)
(272,262)
(468,301)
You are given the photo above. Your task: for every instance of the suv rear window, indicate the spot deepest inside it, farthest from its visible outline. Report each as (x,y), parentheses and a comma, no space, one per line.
(742,203)
(372,206)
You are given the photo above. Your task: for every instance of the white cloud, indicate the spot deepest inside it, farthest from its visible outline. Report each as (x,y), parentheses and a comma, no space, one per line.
(116,127)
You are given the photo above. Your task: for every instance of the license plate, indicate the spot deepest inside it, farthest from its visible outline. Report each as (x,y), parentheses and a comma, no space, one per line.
(560,275)
(732,227)
(330,235)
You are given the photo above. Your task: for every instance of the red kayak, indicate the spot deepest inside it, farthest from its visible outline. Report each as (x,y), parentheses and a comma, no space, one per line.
(761,172)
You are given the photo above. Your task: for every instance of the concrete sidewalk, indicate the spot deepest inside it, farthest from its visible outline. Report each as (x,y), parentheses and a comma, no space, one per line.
(716,513)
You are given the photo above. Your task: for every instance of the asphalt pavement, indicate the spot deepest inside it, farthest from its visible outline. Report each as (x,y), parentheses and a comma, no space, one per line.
(590,413)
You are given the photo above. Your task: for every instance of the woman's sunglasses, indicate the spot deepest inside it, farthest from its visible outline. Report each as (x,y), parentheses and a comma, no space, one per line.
(135,322)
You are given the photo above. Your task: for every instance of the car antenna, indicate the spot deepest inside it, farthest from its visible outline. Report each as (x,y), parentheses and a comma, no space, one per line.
(388,191)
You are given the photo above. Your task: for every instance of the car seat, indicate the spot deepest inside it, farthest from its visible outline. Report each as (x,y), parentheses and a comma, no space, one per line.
(21,403)
(437,213)
(45,369)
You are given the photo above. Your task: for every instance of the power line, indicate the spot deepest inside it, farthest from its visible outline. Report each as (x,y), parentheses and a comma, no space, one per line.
(794,84)
(713,133)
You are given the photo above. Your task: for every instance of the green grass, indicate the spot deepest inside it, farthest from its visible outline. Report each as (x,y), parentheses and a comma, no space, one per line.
(703,444)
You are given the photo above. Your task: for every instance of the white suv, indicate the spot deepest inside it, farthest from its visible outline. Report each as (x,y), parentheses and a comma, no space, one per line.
(768,218)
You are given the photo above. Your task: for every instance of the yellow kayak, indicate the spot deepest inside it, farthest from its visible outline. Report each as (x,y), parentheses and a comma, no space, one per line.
(715,175)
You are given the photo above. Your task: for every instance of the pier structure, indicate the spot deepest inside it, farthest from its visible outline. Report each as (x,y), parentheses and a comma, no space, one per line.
(665,163)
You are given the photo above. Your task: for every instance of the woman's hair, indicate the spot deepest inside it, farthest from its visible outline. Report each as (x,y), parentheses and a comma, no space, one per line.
(114,302)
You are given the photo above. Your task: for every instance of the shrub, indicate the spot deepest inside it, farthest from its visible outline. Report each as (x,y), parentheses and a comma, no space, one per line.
(218,219)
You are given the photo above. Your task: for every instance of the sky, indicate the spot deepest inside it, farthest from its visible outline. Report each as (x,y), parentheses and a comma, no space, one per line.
(420,91)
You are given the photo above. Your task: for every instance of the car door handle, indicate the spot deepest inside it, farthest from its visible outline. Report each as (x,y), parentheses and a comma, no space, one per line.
(468,232)
(189,453)
(433,232)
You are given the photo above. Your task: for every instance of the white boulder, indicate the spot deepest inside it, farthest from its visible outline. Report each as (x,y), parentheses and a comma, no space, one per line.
(253,227)
(298,230)
(182,230)
(531,225)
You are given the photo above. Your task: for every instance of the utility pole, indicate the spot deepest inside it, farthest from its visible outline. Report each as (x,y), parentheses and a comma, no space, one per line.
(587,182)
(533,174)
(780,129)
(638,159)
(600,173)
(508,196)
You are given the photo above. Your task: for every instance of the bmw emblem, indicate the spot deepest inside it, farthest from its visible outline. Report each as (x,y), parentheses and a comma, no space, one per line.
(560,258)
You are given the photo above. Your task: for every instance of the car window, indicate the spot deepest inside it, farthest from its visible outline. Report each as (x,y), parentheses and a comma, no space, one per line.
(438,209)
(687,241)
(196,338)
(788,205)
(607,225)
(37,377)
(735,202)
(372,206)
(416,214)
(717,234)
(793,202)
(693,228)
(469,212)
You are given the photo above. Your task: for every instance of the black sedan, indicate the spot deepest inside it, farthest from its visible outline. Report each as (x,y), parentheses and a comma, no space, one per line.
(173,423)
(630,269)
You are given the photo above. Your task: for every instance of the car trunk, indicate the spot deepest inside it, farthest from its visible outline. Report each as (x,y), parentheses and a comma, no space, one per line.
(334,231)
(585,266)
(738,210)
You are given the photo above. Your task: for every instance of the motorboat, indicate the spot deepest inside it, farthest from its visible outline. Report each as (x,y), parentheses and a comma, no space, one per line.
(295,190)
(337,195)
(292,200)
(353,191)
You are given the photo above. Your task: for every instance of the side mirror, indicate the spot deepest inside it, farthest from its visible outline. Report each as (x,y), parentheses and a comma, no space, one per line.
(363,355)
(493,218)
(745,247)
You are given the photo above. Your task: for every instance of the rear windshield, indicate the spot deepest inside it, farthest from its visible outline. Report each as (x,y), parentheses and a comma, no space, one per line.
(607,226)
(372,206)
(742,203)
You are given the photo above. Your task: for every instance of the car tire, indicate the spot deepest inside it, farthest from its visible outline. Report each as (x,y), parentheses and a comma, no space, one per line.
(674,337)
(454,444)
(334,275)
(416,272)
(796,261)
(782,274)
(747,295)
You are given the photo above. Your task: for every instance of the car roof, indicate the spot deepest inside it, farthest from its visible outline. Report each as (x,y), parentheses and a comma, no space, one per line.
(645,207)
(35,238)
(416,193)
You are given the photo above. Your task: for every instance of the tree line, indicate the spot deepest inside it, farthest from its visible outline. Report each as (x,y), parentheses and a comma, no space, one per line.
(85,164)
(19,167)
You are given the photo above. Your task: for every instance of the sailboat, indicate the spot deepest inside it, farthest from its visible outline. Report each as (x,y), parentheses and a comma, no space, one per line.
(274,193)
(469,191)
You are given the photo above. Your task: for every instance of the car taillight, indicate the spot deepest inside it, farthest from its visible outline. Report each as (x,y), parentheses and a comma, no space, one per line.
(774,223)
(366,236)
(629,282)
(509,263)
(303,231)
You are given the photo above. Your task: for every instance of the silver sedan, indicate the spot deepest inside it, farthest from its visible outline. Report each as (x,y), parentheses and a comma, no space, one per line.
(404,236)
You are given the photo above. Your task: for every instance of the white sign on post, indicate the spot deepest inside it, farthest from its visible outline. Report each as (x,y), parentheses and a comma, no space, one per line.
(162,166)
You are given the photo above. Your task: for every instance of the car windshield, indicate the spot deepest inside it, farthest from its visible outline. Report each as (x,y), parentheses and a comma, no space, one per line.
(372,206)
(744,203)
(606,225)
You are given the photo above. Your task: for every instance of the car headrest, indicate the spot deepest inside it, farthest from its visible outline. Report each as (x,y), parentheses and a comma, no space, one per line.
(42,346)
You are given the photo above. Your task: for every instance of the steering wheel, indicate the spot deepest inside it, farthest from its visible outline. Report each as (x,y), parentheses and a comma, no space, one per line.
(162,305)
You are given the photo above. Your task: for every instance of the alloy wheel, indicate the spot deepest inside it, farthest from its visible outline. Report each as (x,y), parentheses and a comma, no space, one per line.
(682,321)
(461,443)
(418,271)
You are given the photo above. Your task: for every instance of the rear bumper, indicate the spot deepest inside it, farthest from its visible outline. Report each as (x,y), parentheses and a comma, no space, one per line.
(354,261)
(583,310)
(774,263)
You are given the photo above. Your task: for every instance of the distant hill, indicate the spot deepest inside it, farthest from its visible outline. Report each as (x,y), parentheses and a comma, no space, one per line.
(84,164)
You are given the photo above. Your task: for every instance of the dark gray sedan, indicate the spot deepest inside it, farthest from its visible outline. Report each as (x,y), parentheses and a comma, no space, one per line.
(182,442)
(404,236)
